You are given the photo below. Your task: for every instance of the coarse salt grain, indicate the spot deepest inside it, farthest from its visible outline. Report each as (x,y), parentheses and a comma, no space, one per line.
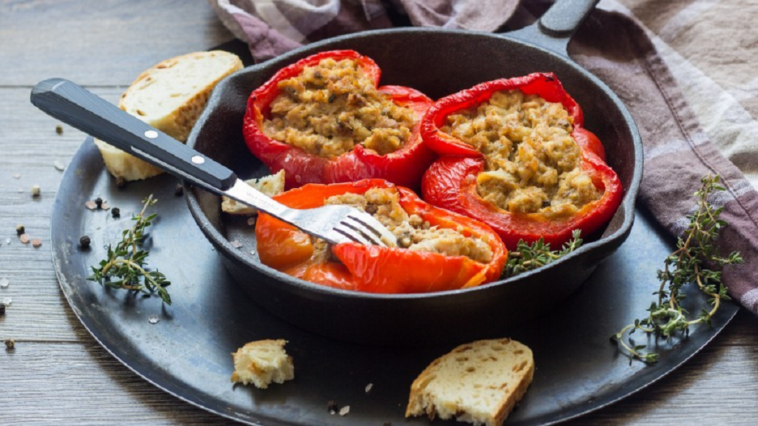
(59,166)
(153,319)
(344,410)
(368,387)
(7,301)
(4,283)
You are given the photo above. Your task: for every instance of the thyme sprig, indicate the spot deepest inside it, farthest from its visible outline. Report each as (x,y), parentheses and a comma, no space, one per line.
(125,266)
(532,256)
(695,260)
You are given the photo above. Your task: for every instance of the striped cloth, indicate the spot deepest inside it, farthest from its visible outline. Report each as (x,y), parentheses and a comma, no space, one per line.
(683,68)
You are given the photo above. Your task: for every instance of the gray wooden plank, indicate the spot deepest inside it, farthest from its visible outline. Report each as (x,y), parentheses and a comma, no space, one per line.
(64,383)
(100,42)
(30,146)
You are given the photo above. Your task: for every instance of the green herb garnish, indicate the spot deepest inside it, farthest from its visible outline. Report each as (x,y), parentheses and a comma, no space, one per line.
(691,262)
(532,256)
(125,266)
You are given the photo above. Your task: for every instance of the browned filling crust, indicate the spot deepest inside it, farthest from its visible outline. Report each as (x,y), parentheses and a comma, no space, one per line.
(331,107)
(533,164)
(411,231)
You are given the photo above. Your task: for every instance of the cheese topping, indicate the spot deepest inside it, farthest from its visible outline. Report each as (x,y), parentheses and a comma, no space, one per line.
(331,107)
(533,164)
(411,231)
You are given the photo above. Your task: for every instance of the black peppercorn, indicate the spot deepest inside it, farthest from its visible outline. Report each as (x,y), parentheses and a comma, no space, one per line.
(120,182)
(99,202)
(116,212)
(179,191)
(10,344)
(2,309)
(84,242)
(20,229)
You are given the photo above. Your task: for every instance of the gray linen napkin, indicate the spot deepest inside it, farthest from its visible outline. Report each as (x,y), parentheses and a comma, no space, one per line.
(610,44)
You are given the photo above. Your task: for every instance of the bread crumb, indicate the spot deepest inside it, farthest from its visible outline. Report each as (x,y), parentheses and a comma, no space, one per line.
(261,363)
(269,185)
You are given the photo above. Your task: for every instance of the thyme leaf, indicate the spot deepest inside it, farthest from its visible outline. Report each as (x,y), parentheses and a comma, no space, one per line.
(690,263)
(537,254)
(126,265)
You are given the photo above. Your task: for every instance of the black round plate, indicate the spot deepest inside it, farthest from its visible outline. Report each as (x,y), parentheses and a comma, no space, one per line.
(187,353)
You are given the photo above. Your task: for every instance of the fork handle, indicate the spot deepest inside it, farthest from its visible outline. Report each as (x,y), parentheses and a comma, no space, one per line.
(92,114)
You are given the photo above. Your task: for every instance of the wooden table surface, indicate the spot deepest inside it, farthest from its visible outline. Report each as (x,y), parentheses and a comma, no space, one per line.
(57,372)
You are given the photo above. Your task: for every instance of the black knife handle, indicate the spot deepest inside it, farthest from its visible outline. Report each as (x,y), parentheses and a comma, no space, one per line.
(89,113)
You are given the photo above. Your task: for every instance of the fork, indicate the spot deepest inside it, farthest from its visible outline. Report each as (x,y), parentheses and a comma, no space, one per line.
(91,114)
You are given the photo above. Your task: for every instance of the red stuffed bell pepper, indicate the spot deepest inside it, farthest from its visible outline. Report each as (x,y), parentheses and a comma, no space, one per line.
(323,120)
(443,250)
(515,156)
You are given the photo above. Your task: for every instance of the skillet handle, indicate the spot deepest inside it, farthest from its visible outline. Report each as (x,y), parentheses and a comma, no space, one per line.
(554,29)
(89,113)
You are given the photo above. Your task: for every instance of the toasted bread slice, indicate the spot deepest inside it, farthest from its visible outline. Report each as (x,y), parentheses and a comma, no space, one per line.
(170,97)
(270,185)
(263,362)
(479,382)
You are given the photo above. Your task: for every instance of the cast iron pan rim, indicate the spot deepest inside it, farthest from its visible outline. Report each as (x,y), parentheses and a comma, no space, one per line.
(627,204)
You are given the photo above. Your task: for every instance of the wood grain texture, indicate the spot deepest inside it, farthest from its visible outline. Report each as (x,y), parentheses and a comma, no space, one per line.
(58,373)
(30,148)
(80,383)
(106,42)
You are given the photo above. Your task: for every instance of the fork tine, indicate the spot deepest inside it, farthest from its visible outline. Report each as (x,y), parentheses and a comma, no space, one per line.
(361,228)
(353,234)
(369,223)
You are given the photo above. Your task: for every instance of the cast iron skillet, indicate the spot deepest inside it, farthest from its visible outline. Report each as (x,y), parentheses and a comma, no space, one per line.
(437,62)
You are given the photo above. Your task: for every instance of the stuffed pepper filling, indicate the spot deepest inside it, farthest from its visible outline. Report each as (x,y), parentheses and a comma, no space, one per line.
(411,231)
(329,108)
(533,164)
